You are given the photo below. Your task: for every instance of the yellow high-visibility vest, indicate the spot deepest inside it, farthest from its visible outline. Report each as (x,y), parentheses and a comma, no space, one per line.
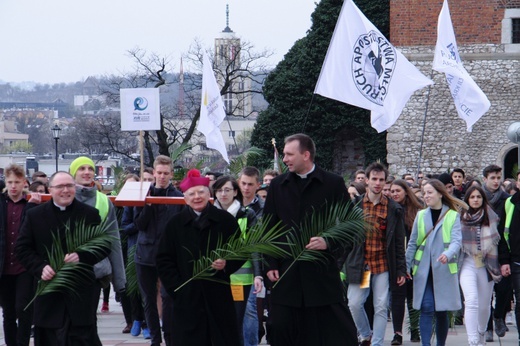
(447,225)
(102,205)
(243,276)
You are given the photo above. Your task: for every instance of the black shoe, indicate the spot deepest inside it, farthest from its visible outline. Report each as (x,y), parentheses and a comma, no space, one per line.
(489,336)
(261,333)
(500,327)
(415,337)
(397,340)
(365,342)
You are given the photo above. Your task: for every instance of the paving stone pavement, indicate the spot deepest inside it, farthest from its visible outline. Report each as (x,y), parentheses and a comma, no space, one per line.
(112,323)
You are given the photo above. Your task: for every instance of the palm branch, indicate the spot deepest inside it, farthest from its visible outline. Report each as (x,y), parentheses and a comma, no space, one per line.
(132,287)
(238,163)
(258,240)
(93,239)
(341,223)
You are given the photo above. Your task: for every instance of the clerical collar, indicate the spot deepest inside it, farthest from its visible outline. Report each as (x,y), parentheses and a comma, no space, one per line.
(197,212)
(304,176)
(59,206)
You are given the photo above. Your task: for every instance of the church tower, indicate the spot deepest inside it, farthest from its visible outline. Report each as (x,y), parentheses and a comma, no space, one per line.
(227,59)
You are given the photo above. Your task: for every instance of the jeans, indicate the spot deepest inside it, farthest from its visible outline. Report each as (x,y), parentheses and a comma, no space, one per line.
(426,319)
(356,299)
(250,327)
(477,294)
(16,291)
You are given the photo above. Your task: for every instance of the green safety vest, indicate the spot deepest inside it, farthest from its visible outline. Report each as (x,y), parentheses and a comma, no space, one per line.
(102,205)
(447,225)
(243,276)
(510,208)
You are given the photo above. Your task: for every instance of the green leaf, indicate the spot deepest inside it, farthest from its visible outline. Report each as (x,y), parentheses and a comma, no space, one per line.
(69,276)
(132,286)
(258,240)
(341,223)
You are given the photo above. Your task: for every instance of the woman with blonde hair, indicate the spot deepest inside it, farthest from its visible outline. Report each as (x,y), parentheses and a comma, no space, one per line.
(432,255)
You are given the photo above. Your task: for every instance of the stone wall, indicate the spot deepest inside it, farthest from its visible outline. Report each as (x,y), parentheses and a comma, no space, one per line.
(447,144)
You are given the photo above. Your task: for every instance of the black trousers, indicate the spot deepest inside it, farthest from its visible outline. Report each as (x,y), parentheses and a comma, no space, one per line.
(147,278)
(16,291)
(67,335)
(328,325)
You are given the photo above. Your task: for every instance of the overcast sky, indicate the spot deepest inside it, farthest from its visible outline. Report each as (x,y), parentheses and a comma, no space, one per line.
(68,40)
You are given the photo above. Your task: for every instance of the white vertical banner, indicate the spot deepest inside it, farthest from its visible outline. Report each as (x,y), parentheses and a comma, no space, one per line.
(212,111)
(140,109)
(363,69)
(470,101)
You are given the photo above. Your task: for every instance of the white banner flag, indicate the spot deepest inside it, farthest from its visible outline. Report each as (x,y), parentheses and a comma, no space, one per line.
(212,111)
(363,69)
(140,109)
(470,100)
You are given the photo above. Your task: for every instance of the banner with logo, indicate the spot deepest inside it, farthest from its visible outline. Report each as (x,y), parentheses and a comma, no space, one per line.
(470,100)
(363,69)
(140,109)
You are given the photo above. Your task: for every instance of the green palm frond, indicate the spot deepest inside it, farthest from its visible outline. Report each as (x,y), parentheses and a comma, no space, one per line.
(341,224)
(258,240)
(132,288)
(238,163)
(93,239)
(177,152)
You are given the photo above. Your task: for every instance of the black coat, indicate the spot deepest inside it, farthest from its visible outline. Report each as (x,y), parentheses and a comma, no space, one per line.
(289,200)
(36,236)
(202,308)
(150,220)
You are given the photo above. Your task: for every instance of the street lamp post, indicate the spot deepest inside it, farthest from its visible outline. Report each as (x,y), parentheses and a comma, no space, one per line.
(56,135)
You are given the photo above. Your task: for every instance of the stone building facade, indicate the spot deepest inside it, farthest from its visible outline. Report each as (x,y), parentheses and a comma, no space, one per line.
(484,31)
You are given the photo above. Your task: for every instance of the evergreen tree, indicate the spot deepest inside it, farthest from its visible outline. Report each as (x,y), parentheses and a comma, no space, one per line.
(289,90)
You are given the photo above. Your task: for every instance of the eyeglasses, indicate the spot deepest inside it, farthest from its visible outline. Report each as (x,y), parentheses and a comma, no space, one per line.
(63,187)
(225,190)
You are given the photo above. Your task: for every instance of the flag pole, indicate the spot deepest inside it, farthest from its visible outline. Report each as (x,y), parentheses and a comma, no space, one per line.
(141,155)
(424,128)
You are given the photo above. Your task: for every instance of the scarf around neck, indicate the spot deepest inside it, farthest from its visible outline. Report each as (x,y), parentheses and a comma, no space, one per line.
(233,208)
(492,197)
(480,239)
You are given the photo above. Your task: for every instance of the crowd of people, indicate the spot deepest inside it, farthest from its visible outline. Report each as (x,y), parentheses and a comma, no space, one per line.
(433,244)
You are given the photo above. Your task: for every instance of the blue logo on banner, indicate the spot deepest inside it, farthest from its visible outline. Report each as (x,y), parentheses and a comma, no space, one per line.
(140,104)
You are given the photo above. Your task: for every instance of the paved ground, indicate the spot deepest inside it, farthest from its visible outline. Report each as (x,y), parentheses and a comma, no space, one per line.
(112,323)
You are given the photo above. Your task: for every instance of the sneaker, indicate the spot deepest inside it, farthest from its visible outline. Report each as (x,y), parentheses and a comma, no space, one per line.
(146,333)
(415,336)
(136,328)
(500,327)
(104,307)
(509,319)
(489,336)
(397,340)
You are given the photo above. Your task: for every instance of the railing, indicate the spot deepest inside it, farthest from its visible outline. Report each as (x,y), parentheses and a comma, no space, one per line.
(148,200)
